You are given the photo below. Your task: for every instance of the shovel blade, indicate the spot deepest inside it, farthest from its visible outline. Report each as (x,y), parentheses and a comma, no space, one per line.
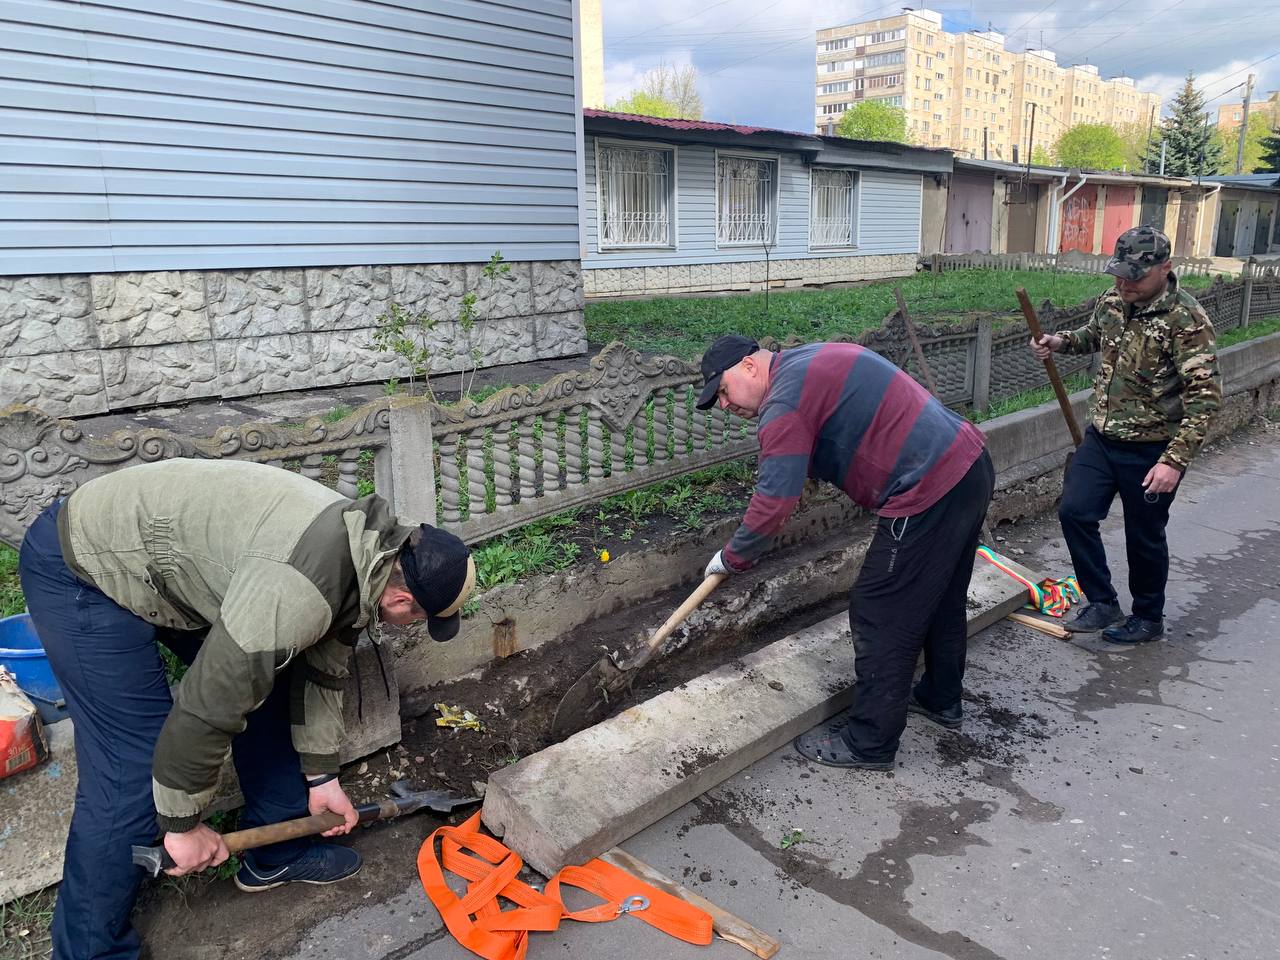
(590,698)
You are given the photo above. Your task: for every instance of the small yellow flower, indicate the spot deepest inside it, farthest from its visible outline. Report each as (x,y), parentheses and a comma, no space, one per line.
(604,556)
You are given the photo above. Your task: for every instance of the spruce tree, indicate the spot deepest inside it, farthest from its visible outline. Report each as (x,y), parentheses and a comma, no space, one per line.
(1190,148)
(1269,162)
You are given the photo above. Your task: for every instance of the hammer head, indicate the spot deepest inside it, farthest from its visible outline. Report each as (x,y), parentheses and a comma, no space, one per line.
(152,859)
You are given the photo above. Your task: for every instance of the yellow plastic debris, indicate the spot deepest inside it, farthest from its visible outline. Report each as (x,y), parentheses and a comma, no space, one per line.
(457,718)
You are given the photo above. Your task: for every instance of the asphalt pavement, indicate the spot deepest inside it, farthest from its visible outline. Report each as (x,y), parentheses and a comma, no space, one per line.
(1099,802)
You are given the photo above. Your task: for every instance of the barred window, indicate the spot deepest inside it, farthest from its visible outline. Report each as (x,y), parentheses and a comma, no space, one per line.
(746,200)
(635,196)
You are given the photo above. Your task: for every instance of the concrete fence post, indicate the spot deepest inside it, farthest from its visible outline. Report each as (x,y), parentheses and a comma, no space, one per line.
(1246,301)
(982,349)
(412,461)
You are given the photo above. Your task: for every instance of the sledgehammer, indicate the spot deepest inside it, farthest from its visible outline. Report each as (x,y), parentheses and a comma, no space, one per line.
(402,801)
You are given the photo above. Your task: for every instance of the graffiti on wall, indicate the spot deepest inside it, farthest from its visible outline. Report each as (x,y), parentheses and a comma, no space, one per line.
(1077,221)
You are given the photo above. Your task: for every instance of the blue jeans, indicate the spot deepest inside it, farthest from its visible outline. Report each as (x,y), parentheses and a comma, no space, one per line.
(109,667)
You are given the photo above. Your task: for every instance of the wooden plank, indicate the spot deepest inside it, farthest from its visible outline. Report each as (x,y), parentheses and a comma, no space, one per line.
(726,925)
(1038,623)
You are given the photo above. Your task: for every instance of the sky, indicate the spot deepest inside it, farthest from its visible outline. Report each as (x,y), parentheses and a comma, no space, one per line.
(756,57)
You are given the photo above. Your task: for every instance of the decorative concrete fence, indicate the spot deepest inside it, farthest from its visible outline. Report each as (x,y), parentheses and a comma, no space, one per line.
(1070,262)
(481,469)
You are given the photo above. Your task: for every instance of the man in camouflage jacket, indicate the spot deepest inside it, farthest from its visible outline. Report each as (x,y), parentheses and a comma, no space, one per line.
(261,581)
(1156,390)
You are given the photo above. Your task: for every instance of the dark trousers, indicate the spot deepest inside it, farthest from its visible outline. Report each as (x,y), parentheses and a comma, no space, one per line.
(1100,469)
(106,660)
(911,593)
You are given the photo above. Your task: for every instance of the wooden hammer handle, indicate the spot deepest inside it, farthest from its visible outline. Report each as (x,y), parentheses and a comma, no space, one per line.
(1059,389)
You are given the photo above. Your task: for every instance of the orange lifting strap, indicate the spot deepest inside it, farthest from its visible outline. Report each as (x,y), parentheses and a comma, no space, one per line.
(479,924)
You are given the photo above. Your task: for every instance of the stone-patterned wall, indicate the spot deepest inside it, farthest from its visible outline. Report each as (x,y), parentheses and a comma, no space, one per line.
(82,344)
(747,275)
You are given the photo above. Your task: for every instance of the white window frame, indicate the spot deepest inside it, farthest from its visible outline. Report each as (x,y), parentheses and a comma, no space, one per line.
(854,181)
(774,197)
(673,195)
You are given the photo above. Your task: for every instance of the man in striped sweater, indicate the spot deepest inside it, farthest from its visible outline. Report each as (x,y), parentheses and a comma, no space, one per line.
(842,413)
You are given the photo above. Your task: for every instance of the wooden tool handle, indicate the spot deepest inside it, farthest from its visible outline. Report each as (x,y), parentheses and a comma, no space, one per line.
(915,343)
(1059,389)
(681,614)
(242,840)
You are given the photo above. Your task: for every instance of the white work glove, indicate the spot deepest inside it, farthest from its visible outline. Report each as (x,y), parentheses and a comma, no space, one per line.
(717,565)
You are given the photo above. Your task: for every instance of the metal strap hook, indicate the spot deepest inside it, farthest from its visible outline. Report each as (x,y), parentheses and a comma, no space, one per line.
(633,904)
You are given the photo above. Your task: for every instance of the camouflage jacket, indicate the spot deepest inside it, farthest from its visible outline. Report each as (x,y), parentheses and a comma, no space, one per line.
(1158,378)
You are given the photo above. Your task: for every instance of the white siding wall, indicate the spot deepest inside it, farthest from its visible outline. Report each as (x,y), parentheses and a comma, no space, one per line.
(189,134)
(888,212)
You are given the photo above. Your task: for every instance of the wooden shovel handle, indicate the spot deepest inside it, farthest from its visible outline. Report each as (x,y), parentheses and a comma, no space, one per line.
(1060,390)
(915,342)
(681,614)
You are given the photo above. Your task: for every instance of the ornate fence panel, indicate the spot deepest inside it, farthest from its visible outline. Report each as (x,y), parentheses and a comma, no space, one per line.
(529,452)
(484,468)
(1070,262)
(43,458)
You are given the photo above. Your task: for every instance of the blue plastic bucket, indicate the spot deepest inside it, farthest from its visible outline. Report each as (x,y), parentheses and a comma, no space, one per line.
(22,654)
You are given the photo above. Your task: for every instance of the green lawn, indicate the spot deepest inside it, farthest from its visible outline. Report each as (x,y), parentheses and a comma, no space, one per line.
(683,326)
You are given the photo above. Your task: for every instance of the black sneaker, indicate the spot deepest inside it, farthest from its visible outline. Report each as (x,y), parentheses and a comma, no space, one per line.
(951,718)
(1094,617)
(1135,630)
(322,863)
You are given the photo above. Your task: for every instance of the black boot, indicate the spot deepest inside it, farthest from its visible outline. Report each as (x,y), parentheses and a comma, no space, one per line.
(951,718)
(1096,616)
(1135,630)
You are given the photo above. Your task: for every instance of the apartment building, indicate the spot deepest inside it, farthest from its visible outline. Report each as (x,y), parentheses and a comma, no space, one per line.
(1230,114)
(965,91)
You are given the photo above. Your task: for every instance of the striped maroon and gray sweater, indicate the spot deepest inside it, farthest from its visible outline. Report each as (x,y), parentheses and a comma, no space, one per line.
(842,413)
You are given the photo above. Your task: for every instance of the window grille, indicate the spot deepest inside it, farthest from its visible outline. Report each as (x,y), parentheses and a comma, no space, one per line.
(745,208)
(635,197)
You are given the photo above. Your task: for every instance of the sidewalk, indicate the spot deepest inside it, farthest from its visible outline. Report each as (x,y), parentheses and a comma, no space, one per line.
(1099,802)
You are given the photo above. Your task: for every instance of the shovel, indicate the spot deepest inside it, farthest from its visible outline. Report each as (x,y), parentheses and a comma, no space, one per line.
(589,699)
(1064,402)
(402,801)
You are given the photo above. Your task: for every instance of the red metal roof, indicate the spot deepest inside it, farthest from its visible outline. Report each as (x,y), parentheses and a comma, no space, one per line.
(689,124)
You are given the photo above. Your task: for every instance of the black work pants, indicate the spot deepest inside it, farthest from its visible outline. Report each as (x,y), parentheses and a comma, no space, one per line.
(1100,469)
(911,594)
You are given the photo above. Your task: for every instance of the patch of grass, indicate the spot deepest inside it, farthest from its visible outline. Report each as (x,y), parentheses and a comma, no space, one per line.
(1251,332)
(24,925)
(791,838)
(1029,398)
(11,601)
(337,413)
(684,326)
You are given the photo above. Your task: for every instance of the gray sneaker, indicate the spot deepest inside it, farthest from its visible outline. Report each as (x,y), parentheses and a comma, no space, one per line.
(1095,617)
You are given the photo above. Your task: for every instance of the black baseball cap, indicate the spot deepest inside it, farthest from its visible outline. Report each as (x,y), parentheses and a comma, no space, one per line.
(726,352)
(1137,252)
(440,573)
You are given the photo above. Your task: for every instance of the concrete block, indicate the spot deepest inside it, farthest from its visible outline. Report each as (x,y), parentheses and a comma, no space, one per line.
(370,704)
(37,814)
(635,768)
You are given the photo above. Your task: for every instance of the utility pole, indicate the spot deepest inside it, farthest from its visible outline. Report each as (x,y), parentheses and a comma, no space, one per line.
(984,143)
(1146,154)
(1163,144)
(1031,136)
(1244,124)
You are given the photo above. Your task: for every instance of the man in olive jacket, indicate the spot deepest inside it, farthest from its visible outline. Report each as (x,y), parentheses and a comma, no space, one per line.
(261,580)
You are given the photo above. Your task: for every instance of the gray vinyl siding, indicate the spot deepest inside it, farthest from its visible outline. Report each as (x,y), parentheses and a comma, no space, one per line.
(206,134)
(888,211)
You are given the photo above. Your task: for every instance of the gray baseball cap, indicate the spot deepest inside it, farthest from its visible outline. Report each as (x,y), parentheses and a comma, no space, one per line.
(1137,251)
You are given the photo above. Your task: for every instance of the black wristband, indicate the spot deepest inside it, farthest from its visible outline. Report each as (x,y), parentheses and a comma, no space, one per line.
(313,782)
